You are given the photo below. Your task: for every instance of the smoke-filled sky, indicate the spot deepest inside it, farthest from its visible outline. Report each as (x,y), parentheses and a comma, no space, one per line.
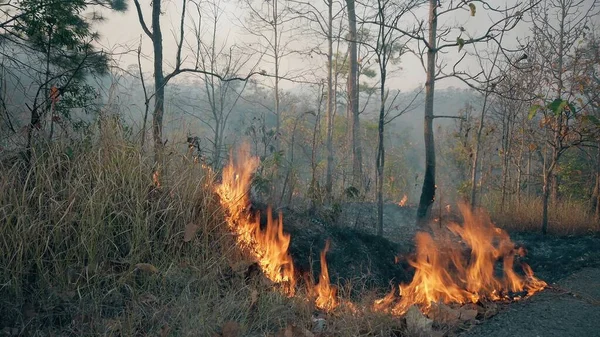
(121,32)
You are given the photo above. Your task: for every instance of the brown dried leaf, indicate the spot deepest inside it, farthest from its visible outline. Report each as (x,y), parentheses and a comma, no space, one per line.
(231,329)
(416,322)
(253,297)
(147,267)
(441,313)
(292,330)
(467,314)
(190,232)
(164,331)
(241,267)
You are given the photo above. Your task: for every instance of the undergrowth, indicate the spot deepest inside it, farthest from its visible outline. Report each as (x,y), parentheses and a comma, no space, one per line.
(566,217)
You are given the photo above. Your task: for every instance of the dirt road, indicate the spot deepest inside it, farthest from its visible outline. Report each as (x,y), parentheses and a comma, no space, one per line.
(570,308)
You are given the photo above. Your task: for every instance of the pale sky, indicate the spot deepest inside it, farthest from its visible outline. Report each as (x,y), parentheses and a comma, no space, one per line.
(121,31)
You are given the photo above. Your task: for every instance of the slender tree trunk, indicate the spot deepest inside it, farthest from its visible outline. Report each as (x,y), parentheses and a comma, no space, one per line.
(276,189)
(528,175)
(596,194)
(428,191)
(380,158)
(313,160)
(353,97)
(49,104)
(330,103)
(475,164)
(554,181)
(545,198)
(159,85)
(505,158)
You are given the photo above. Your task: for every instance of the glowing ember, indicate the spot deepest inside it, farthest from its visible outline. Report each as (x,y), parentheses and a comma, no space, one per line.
(403,201)
(326,293)
(444,274)
(269,245)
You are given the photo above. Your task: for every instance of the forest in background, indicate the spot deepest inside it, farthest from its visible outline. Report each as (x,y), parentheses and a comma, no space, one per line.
(525,127)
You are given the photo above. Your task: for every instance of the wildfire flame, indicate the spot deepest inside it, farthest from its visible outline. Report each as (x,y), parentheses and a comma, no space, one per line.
(444,274)
(326,293)
(403,201)
(269,246)
(444,270)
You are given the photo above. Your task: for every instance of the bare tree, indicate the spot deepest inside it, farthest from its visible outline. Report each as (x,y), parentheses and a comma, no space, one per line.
(160,79)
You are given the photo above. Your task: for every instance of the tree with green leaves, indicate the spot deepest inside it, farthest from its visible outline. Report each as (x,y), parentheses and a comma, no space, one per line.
(558,25)
(58,35)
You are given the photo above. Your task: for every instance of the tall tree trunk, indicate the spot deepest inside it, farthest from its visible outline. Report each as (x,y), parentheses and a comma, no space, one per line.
(475,164)
(330,102)
(545,198)
(353,97)
(595,202)
(47,99)
(554,181)
(428,190)
(505,158)
(159,85)
(381,157)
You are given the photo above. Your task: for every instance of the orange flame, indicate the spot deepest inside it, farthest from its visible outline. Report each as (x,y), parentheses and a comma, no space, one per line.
(326,293)
(268,246)
(403,201)
(444,274)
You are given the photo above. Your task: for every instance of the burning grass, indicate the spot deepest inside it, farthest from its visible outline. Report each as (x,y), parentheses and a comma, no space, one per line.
(444,274)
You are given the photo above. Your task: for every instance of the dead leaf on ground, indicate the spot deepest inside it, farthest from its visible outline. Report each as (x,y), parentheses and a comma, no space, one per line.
(147,267)
(488,309)
(444,314)
(190,232)
(231,329)
(241,267)
(253,297)
(441,313)
(164,330)
(292,330)
(416,322)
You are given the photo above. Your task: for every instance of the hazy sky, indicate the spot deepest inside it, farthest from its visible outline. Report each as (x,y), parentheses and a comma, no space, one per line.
(121,32)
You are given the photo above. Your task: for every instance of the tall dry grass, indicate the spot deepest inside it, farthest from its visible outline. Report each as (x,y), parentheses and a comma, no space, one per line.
(88,246)
(567,217)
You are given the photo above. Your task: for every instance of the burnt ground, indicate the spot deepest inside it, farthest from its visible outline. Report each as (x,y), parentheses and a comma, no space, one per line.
(570,265)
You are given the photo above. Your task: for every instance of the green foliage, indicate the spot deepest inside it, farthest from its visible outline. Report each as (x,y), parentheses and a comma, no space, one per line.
(557,106)
(55,23)
(460,42)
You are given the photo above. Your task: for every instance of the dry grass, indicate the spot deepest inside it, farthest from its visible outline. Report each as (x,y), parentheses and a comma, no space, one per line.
(88,246)
(568,217)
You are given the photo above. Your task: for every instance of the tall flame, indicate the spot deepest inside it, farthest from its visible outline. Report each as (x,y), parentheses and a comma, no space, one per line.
(444,274)
(269,245)
(326,293)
